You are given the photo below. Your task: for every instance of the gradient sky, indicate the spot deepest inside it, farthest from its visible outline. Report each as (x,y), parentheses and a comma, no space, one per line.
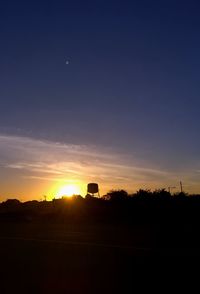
(124,112)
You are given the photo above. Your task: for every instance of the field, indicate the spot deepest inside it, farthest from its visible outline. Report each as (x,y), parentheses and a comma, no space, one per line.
(60,258)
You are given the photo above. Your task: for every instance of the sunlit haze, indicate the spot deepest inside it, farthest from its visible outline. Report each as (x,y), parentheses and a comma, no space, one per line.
(67,191)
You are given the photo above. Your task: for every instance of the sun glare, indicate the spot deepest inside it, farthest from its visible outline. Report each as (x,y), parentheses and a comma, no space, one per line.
(68,190)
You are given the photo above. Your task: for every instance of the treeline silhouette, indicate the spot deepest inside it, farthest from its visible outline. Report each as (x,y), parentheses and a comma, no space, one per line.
(116,207)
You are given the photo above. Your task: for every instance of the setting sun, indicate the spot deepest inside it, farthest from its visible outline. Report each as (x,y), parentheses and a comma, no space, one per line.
(68,190)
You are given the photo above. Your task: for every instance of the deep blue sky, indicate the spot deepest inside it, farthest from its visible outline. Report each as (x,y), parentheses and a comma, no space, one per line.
(132,83)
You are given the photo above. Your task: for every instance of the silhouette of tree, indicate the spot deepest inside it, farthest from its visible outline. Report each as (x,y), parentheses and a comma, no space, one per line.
(11,203)
(88,196)
(181,195)
(116,195)
(143,193)
(162,194)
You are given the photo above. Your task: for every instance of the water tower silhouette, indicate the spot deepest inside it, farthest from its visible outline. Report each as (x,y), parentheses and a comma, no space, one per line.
(93,188)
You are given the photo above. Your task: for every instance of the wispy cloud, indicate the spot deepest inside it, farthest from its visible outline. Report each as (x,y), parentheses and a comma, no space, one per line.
(55,161)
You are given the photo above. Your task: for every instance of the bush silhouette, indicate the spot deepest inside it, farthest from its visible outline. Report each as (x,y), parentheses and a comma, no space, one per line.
(116,195)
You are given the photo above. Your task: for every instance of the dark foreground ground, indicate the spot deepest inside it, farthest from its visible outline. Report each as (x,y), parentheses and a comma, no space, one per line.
(60,258)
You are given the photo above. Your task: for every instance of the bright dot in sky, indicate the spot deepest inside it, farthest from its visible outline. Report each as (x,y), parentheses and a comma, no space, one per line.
(68,190)
(67,62)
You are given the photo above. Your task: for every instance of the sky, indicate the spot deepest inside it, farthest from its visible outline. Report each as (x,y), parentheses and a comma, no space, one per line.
(99,91)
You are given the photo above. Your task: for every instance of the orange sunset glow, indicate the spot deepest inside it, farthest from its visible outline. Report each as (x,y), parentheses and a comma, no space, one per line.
(68,191)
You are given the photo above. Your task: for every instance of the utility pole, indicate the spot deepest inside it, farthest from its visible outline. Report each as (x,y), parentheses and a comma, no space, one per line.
(181,186)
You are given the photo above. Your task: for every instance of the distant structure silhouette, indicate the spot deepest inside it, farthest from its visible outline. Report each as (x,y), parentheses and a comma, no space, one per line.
(92,189)
(181,186)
